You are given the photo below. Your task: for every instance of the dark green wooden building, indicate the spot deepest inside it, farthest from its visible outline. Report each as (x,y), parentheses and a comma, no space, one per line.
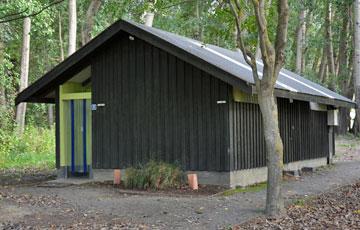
(136,93)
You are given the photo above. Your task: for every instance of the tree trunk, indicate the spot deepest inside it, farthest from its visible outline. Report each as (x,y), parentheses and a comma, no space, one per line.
(51,115)
(258,49)
(343,45)
(2,90)
(24,73)
(273,56)
(273,59)
(356,62)
(89,24)
(323,66)
(300,37)
(328,40)
(72,27)
(2,95)
(305,60)
(149,18)
(149,13)
(343,75)
(274,150)
(200,28)
(62,56)
(316,60)
(2,87)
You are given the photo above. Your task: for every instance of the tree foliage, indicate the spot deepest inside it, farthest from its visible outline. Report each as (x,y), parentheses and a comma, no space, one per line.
(207,20)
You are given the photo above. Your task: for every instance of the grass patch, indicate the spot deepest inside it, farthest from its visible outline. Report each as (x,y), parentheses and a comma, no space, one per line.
(301,202)
(34,149)
(154,175)
(252,188)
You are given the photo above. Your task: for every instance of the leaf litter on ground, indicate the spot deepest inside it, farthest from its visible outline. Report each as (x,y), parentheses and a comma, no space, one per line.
(338,209)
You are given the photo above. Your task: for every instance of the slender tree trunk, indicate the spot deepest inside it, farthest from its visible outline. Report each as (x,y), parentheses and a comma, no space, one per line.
(50,108)
(356,63)
(344,121)
(343,45)
(343,75)
(51,115)
(89,24)
(328,39)
(24,73)
(2,87)
(72,27)
(2,90)
(258,48)
(300,37)
(62,56)
(3,122)
(149,18)
(2,96)
(316,60)
(323,66)
(149,13)
(200,28)
(305,60)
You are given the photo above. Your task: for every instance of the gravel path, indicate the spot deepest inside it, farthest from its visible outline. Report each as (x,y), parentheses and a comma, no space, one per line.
(212,212)
(97,207)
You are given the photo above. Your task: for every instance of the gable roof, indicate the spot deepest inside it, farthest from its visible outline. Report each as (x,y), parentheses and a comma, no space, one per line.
(225,64)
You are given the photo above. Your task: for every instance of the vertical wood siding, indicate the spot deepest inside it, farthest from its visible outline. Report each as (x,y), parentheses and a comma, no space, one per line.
(156,107)
(160,107)
(304,133)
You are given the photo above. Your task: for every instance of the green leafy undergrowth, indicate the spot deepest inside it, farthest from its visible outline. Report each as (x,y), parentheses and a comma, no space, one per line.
(154,175)
(33,149)
(252,188)
(303,201)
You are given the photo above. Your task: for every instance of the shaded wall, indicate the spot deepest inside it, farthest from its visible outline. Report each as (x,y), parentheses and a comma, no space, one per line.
(156,107)
(160,107)
(304,133)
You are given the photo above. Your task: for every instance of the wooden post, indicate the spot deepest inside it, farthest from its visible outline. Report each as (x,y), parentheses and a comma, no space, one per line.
(193,181)
(117,176)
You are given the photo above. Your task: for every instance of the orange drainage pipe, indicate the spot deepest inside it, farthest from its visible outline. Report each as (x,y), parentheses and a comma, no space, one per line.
(117,176)
(193,181)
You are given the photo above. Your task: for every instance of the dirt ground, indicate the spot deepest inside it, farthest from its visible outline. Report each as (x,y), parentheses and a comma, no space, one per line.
(347,148)
(338,209)
(28,202)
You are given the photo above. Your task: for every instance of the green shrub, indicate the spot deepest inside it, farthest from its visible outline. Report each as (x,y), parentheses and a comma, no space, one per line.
(154,175)
(34,149)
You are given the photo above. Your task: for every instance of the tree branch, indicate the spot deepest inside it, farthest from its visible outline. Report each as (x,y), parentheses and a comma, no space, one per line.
(267,49)
(32,14)
(281,35)
(13,14)
(240,40)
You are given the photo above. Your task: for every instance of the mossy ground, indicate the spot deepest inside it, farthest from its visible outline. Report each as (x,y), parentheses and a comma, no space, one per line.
(251,188)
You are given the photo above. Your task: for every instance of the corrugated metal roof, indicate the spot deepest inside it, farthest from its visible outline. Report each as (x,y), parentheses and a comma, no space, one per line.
(234,63)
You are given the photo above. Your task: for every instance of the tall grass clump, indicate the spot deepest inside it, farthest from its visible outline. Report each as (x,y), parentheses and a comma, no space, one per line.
(35,148)
(154,175)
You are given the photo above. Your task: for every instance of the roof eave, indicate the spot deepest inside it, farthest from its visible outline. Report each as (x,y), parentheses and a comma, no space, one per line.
(313,98)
